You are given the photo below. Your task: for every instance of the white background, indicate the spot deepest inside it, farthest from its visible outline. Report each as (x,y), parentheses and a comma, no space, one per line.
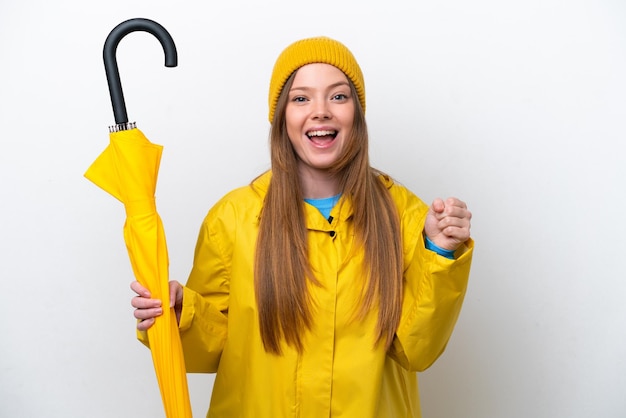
(517,107)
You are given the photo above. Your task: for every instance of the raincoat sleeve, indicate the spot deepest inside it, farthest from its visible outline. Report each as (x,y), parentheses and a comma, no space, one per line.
(434,288)
(204,318)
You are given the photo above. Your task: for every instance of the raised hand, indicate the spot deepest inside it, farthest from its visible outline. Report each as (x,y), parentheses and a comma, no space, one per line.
(448,223)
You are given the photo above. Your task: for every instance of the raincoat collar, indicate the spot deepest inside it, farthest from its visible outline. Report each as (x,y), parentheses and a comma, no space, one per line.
(342,211)
(314,219)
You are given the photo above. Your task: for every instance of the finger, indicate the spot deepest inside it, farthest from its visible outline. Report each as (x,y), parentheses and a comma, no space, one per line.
(457,233)
(451,207)
(455,216)
(452,221)
(453,201)
(144,314)
(139,302)
(144,325)
(460,218)
(139,289)
(455,207)
(455,212)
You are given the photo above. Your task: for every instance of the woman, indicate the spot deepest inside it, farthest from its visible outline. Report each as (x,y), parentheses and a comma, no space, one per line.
(323,286)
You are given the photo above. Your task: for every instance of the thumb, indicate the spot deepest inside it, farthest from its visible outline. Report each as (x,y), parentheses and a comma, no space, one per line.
(431,227)
(174,293)
(438,206)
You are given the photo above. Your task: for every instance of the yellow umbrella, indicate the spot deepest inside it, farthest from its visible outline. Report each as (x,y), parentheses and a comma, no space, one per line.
(128,170)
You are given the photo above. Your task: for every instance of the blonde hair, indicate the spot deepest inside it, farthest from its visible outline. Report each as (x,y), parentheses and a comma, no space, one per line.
(281,282)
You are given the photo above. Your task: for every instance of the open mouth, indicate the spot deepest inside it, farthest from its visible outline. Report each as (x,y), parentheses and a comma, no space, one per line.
(321,137)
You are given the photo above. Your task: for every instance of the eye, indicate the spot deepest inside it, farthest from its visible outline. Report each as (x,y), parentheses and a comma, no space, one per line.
(299,99)
(340,97)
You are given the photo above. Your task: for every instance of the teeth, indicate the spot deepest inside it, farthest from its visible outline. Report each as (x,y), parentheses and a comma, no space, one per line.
(321,133)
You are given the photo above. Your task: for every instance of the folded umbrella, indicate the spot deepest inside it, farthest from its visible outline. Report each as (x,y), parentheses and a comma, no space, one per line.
(128,170)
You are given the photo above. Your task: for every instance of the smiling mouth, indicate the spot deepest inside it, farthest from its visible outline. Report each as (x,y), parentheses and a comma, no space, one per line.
(319,137)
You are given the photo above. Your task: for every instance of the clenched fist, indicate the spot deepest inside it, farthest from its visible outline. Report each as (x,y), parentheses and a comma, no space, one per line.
(448,223)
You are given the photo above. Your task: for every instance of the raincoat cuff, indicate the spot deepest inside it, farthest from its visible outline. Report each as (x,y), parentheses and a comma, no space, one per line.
(465,249)
(460,255)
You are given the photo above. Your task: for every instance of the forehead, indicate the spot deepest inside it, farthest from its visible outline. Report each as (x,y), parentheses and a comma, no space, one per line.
(318,74)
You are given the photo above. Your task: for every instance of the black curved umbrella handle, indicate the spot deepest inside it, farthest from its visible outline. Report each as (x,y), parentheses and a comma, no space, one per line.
(110,60)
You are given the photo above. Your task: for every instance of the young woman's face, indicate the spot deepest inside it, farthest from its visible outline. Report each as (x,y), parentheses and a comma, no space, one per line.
(319,115)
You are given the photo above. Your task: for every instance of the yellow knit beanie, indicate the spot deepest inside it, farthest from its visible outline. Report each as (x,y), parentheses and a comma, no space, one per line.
(314,50)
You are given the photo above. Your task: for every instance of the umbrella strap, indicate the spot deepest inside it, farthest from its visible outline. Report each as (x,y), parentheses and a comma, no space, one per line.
(140,207)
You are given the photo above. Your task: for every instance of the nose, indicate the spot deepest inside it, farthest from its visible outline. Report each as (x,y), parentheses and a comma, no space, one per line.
(321,110)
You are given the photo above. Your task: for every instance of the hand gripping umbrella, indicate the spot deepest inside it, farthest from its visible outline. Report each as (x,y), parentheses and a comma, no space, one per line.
(128,169)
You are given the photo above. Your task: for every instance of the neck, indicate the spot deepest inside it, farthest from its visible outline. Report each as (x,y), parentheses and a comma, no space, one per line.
(318,184)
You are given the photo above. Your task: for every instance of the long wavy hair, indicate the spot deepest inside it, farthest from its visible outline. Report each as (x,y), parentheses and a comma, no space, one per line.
(282,268)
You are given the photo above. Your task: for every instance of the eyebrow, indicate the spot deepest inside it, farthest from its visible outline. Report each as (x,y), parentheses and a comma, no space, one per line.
(332,86)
